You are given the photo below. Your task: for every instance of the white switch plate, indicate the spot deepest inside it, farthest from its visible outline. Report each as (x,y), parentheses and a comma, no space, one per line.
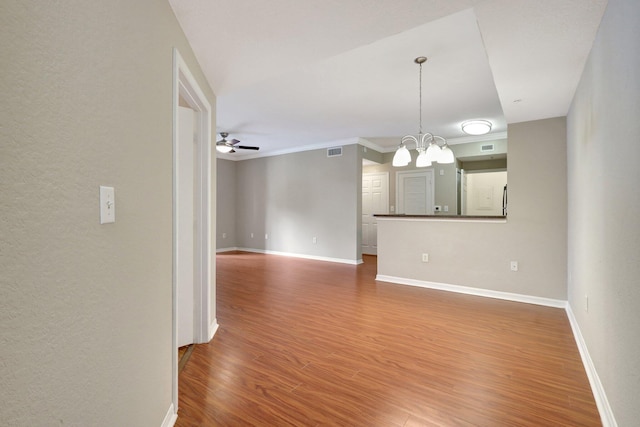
(266,237)
(107,205)
(514,265)
(425,257)
(224,235)
(315,240)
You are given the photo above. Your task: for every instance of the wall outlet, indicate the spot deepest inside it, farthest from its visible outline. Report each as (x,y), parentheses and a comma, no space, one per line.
(266,236)
(315,240)
(514,265)
(252,235)
(224,235)
(425,257)
(446,208)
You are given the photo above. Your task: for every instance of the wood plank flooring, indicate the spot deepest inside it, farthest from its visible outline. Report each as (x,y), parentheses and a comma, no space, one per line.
(311,343)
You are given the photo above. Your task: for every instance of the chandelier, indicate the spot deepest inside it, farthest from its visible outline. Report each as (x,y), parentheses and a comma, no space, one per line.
(431,148)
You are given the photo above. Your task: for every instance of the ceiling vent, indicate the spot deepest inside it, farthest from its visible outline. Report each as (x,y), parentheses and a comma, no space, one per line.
(486,148)
(334,152)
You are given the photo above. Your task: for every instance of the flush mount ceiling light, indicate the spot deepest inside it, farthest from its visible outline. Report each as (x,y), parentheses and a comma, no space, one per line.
(476,127)
(427,144)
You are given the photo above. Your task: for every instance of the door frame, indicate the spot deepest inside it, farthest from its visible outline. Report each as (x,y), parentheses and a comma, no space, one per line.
(205,325)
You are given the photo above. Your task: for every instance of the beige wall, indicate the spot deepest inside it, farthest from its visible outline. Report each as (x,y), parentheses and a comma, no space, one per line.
(478,254)
(86,308)
(604,207)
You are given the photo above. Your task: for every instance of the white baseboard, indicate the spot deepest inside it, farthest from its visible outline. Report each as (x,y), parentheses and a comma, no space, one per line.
(294,255)
(213,328)
(226,249)
(606,414)
(170,418)
(549,302)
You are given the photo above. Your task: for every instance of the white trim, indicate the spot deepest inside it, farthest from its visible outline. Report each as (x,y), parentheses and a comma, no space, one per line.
(234,248)
(329,144)
(497,136)
(213,328)
(606,414)
(185,85)
(294,255)
(170,418)
(508,296)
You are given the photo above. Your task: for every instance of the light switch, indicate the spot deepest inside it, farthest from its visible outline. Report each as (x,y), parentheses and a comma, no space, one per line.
(107,205)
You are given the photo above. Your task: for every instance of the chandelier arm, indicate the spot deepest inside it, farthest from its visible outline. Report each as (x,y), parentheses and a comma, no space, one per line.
(410,138)
(441,138)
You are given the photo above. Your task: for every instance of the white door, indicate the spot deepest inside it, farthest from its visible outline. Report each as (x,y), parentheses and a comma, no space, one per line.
(185,226)
(415,192)
(375,200)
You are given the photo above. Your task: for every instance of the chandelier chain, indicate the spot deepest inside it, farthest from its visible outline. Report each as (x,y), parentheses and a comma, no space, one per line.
(420,98)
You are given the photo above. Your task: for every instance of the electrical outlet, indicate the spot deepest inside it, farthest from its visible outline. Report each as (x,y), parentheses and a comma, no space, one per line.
(266,236)
(315,240)
(224,235)
(252,235)
(425,257)
(514,265)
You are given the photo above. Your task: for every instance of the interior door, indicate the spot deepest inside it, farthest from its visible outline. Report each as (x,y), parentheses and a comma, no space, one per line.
(415,192)
(375,200)
(185,227)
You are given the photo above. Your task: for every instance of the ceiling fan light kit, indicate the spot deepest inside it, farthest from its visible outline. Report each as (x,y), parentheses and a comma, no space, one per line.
(224,146)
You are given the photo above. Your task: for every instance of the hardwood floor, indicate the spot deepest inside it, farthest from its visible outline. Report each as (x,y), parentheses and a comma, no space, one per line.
(310,343)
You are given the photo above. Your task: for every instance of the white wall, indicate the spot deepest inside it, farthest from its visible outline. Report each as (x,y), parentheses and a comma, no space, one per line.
(478,254)
(604,207)
(296,197)
(86,308)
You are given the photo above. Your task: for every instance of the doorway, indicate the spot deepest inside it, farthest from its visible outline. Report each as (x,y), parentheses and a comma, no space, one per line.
(375,200)
(192,225)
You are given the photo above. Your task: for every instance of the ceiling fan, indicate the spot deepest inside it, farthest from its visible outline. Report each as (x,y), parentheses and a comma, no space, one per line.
(224,146)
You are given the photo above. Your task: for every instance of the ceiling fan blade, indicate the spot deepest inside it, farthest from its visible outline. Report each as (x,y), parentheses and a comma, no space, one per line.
(247,147)
(234,141)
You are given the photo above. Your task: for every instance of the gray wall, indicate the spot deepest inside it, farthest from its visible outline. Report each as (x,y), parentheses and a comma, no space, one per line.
(478,254)
(86,308)
(298,196)
(604,207)
(226,204)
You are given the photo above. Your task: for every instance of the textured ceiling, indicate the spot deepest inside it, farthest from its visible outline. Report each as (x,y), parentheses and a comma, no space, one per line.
(291,73)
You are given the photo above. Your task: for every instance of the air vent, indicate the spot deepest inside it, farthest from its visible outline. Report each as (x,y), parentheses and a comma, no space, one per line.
(334,152)
(487,147)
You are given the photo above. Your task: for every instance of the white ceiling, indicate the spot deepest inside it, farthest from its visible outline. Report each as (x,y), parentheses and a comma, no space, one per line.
(290,74)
